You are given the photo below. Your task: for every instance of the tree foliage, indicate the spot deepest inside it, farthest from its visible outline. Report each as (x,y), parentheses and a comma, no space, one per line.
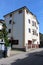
(4,34)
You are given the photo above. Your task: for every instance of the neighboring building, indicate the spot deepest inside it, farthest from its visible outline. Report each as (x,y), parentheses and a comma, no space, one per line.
(1,39)
(41,39)
(23,28)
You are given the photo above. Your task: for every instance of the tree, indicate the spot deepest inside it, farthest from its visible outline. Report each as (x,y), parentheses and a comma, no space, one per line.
(4,34)
(1,34)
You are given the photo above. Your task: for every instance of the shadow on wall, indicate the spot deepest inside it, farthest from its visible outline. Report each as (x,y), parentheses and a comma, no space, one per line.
(35,58)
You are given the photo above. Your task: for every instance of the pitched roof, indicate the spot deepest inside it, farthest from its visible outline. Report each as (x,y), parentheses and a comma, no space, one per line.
(19,9)
(23,8)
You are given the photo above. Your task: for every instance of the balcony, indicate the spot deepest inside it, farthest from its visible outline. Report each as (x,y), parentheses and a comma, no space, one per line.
(34,37)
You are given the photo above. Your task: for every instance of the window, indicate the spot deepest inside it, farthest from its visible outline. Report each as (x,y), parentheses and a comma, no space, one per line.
(33,32)
(1,40)
(10,21)
(35,24)
(13,22)
(10,15)
(20,11)
(37,27)
(29,30)
(29,20)
(37,42)
(37,34)
(27,11)
(14,42)
(9,30)
(32,23)
(0,30)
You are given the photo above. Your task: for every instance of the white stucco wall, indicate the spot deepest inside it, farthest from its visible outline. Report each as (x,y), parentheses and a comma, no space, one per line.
(17,28)
(38,37)
(9,26)
(27,26)
(30,36)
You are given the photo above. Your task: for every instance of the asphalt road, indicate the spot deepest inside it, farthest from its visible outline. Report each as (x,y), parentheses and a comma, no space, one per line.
(34,57)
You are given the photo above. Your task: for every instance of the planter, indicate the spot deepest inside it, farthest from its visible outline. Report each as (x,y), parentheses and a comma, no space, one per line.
(8,51)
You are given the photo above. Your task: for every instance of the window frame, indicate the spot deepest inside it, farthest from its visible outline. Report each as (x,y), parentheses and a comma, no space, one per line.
(9,30)
(32,23)
(27,11)
(20,11)
(10,15)
(29,21)
(29,30)
(10,21)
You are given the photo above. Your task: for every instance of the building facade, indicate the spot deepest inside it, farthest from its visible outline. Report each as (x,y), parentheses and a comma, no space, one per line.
(23,28)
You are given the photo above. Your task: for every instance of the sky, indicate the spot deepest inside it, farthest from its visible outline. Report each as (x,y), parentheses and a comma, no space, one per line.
(35,6)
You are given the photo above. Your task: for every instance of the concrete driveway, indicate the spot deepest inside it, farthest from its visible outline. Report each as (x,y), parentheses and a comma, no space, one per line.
(33,57)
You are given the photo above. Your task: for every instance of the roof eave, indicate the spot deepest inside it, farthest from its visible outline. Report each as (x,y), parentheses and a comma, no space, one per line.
(19,9)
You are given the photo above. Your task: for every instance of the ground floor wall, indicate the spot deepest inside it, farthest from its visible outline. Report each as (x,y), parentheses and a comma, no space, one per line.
(18,43)
(28,45)
(33,46)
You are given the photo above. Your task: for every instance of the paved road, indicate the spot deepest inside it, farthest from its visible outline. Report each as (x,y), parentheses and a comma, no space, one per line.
(34,57)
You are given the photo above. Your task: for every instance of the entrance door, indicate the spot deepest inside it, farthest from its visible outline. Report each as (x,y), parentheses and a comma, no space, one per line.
(29,43)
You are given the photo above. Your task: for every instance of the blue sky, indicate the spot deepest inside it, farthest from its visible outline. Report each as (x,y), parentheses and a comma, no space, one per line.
(35,6)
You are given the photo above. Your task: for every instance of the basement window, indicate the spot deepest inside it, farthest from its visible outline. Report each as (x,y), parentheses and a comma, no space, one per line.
(14,42)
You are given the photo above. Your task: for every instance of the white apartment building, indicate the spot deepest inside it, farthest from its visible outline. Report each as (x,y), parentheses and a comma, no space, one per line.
(23,28)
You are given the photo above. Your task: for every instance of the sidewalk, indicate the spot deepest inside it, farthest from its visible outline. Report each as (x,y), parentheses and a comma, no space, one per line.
(19,55)
(15,52)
